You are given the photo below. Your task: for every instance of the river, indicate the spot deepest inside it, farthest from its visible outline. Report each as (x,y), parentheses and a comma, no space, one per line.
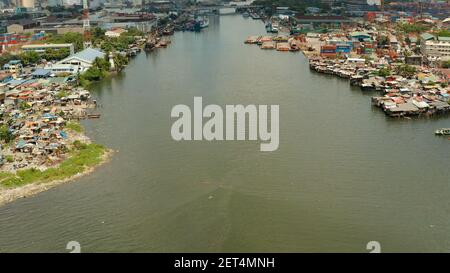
(344,173)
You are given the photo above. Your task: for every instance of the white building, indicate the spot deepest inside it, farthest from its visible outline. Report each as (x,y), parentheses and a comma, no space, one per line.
(84,58)
(136,3)
(72,2)
(14,67)
(41,48)
(28,4)
(64,68)
(435,48)
(115,33)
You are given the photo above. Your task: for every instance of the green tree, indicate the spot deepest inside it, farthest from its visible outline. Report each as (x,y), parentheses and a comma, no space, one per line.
(56,54)
(133,31)
(29,57)
(446,64)
(5,134)
(71,37)
(443,33)
(384,72)
(406,71)
(412,28)
(96,72)
(5,58)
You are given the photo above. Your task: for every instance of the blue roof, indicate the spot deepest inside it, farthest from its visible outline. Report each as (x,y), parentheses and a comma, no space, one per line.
(20,144)
(88,54)
(16,82)
(40,72)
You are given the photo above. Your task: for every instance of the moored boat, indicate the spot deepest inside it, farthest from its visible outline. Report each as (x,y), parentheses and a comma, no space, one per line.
(443,132)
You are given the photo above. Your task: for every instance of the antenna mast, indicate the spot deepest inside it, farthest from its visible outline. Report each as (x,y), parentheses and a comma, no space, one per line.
(86,25)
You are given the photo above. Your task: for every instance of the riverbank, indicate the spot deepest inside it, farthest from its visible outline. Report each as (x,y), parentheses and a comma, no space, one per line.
(405,90)
(42,143)
(84,158)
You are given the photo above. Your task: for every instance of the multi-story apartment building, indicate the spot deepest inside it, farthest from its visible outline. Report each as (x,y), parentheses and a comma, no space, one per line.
(435,47)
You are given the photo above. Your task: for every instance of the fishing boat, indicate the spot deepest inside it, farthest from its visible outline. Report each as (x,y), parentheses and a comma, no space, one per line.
(294,45)
(295,30)
(443,132)
(263,39)
(255,15)
(149,46)
(275,28)
(168,31)
(367,87)
(252,39)
(281,39)
(271,28)
(268,45)
(283,47)
(204,22)
(93,116)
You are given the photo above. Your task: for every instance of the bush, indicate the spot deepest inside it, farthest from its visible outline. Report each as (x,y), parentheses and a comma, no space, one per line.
(79,145)
(61,94)
(24,105)
(5,134)
(406,71)
(384,72)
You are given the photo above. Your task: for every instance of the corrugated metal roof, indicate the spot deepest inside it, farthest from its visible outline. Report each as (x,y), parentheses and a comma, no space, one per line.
(427,36)
(41,72)
(445,39)
(88,55)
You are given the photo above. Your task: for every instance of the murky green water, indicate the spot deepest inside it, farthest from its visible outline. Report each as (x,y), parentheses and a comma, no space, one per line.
(344,174)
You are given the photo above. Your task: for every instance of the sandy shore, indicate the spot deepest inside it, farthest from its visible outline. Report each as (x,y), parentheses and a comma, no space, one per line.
(9,195)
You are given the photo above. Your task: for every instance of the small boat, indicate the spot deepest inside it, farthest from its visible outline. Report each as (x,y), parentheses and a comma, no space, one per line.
(367,87)
(294,46)
(443,132)
(252,39)
(268,45)
(93,115)
(295,30)
(168,31)
(245,14)
(281,39)
(162,43)
(204,23)
(264,39)
(149,46)
(271,28)
(255,15)
(283,47)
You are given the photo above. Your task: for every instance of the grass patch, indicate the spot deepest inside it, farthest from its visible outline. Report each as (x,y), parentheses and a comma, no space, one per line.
(74,126)
(9,158)
(81,157)
(4,175)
